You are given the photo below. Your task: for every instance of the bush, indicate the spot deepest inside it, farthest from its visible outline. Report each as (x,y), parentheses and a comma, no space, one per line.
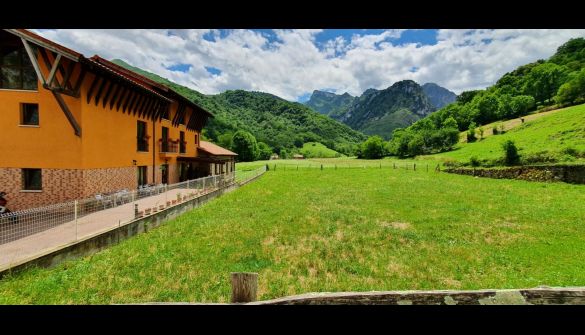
(471,133)
(570,151)
(511,156)
(473,161)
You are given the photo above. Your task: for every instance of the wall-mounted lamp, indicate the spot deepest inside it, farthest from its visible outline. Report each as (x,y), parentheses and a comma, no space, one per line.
(133,162)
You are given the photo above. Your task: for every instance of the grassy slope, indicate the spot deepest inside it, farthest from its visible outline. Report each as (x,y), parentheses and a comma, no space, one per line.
(316,149)
(552,132)
(337,230)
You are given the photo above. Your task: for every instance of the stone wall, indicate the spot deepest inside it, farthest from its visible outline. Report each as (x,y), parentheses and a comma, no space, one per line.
(574,174)
(534,296)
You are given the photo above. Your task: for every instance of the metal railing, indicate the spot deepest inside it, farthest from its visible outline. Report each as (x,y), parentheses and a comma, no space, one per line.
(169,147)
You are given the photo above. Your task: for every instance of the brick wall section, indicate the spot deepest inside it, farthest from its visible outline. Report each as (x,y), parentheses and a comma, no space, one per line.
(59,185)
(109,180)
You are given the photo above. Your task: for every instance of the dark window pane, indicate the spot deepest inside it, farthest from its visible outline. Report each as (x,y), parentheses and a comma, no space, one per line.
(11,56)
(10,78)
(32,179)
(142,141)
(30,114)
(29,79)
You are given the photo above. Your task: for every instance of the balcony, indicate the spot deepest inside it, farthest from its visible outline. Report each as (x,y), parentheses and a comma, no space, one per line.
(168,147)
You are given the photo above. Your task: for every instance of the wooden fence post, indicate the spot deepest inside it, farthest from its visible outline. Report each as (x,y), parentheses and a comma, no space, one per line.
(414,167)
(321,167)
(244,286)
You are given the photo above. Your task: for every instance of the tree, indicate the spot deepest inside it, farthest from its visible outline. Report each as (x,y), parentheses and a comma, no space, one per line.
(450,122)
(373,148)
(511,156)
(225,140)
(572,90)
(544,81)
(471,133)
(264,151)
(245,145)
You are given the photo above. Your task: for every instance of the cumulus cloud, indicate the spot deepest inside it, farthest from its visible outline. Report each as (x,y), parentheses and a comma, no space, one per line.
(291,63)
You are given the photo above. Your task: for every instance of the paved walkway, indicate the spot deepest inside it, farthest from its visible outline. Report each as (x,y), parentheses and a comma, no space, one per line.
(33,246)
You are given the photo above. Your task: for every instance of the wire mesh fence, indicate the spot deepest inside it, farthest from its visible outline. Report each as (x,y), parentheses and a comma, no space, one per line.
(79,218)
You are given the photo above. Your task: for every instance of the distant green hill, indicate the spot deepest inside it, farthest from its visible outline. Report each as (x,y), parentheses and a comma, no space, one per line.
(318,150)
(279,123)
(558,137)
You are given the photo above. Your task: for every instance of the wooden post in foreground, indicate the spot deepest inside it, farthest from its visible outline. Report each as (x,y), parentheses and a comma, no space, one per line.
(244,286)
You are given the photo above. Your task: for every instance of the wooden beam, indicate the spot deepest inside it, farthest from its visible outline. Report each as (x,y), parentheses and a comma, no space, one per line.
(107,95)
(79,81)
(133,102)
(53,70)
(139,99)
(144,108)
(118,90)
(70,69)
(99,91)
(129,100)
(96,79)
(68,114)
(34,61)
(48,64)
(123,96)
(152,112)
(140,104)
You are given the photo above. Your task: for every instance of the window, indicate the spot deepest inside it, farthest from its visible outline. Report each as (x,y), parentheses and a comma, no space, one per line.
(29,114)
(142,180)
(16,70)
(141,136)
(182,143)
(31,180)
(197,140)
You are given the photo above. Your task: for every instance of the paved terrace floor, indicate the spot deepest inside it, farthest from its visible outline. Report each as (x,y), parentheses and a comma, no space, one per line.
(33,246)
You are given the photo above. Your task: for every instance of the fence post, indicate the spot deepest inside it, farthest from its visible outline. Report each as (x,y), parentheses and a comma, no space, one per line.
(414,167)
(380,165)
(427,167)
(76,204)
(244,286)
(335,166)
(394,165)
(321,167)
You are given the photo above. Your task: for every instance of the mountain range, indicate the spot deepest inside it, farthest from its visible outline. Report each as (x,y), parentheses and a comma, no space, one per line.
(379,112)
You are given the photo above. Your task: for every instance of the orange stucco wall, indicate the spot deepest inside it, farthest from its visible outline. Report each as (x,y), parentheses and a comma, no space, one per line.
(108,135)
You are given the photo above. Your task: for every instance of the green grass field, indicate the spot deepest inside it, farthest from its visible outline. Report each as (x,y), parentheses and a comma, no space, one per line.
(552,133)
(316,149)
(336,230)
(332,163)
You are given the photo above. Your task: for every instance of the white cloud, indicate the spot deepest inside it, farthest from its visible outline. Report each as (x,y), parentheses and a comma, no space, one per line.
(292,65)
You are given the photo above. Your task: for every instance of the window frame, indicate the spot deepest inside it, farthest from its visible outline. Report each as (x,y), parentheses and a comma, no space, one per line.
(27,188)
(22,111)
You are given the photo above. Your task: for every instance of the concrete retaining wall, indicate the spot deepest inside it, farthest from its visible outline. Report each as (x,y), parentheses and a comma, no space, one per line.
(574,174)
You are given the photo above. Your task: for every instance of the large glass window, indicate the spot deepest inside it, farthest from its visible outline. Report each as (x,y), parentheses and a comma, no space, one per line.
(16,70)
(182,144)
(141,136)
(29,114)
(32,179)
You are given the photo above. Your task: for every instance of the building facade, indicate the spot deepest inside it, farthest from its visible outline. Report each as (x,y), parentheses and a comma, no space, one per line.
(72,127)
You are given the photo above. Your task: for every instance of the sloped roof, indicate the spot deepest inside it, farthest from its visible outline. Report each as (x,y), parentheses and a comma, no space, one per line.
(215,149)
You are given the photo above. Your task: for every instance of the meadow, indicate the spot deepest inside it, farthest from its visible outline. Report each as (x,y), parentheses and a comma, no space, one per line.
(357,229)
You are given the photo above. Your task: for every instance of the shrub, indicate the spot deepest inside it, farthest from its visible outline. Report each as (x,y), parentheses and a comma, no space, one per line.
(511,156)
(474,161)
(471,133)
(570,151)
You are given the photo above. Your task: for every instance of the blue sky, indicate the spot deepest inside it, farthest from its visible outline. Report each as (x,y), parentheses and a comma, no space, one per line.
(293,63)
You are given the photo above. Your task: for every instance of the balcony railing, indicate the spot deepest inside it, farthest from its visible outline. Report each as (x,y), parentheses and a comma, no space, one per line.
(169,147)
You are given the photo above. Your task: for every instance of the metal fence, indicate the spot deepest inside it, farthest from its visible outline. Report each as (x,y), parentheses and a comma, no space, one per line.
(79,218)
